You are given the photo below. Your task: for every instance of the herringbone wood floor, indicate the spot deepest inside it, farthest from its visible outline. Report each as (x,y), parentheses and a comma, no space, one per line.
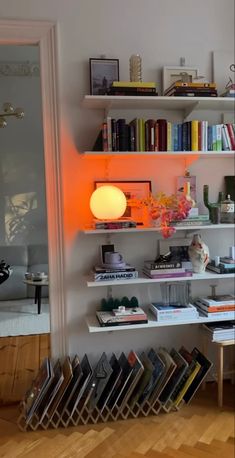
(198,430)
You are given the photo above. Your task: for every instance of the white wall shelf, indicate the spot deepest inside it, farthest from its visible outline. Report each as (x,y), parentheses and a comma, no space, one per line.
(186,104)
(93,324)
(156,229)
(160,154)
(144,280)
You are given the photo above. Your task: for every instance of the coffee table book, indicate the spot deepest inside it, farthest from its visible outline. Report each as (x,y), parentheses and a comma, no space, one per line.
(109,319)
(171,312)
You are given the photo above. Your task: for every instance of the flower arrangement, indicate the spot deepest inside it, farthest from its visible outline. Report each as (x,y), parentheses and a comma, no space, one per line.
(164,209)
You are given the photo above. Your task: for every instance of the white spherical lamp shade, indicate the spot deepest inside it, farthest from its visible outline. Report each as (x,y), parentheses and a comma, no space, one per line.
(108,202)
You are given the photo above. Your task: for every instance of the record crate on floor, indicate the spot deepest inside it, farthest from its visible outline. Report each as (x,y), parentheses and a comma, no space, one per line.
(74,393)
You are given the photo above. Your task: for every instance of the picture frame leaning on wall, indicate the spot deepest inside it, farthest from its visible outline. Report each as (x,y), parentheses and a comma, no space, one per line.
(102,73)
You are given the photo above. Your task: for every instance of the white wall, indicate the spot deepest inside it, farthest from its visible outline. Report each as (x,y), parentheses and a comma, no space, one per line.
(161,31)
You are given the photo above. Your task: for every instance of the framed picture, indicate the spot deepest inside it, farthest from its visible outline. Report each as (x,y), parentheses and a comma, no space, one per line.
(132,190)
(102,73)
(172,74)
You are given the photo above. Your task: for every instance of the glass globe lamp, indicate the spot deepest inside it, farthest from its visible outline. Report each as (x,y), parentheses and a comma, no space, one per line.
(108,203)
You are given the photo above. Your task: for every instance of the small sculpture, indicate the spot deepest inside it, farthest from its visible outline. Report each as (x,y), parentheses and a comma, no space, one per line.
(198,254)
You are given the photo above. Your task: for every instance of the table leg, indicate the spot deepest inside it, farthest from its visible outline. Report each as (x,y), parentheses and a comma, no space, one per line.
(38,295)
(220,374)
(205,352)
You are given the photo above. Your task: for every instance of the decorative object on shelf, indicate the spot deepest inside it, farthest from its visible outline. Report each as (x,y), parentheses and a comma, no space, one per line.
(173,74)
(198,254)
(135,62)
(133,190)
(8,110)
(164,209)
(175,294)
(108,202)
(223,68)
(214,208)
(180,184)
(227,210)
(111,303)
(230,186)
(102,73)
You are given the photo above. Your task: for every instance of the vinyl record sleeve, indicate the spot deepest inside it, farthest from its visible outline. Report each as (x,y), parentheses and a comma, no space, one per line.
(136,373)
(81,386)
(38,388)
(111,384)
(125,374)
(181,367)
(100,378)
(205,367)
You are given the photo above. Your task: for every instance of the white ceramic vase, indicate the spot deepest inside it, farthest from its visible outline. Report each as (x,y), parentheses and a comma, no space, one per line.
(198,254)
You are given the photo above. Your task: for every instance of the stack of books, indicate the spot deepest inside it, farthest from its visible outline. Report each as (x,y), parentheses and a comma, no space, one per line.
(181,89)
(101,273)
(222,267)
(199,220)
(217,307)
(173,312)
(121,223)
(133,88)
(170,269)
(118,317)
(221,331)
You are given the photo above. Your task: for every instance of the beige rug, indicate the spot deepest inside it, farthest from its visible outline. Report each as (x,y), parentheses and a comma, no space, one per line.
(20,317)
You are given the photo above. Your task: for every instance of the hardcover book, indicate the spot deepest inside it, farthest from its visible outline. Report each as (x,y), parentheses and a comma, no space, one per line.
(38,388)
(220,299)
(50,393)
(205,366)
(82,390)
(117,275)
(109,319)
(169,368)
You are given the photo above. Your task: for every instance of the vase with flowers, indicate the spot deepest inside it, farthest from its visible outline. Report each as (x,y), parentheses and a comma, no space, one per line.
(164,209)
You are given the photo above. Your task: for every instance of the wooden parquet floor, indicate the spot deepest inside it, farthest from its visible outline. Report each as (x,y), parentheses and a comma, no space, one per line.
(199,430)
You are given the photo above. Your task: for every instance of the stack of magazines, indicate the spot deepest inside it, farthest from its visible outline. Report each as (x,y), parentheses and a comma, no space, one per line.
(122,316)
(225,330)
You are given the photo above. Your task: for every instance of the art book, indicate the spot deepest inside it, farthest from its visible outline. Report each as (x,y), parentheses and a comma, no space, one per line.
(169,368)
(51,392)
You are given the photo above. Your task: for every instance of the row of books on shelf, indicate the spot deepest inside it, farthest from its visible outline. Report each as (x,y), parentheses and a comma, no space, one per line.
(162,135)
(74,391)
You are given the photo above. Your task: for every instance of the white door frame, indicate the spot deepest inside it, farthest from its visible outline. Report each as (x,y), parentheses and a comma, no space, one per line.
(44,34)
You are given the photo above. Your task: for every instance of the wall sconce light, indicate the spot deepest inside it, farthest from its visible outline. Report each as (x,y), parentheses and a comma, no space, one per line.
(8,110)
(108,202)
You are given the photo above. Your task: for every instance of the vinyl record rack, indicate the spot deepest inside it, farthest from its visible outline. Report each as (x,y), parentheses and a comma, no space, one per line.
(86,416)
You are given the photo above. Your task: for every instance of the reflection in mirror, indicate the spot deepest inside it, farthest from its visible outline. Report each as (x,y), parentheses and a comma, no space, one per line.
(24,303)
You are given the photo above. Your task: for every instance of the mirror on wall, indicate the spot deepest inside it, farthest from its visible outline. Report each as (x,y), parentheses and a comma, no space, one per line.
(24,300)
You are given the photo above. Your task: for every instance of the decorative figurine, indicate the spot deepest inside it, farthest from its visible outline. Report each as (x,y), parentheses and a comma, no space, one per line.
(199,254)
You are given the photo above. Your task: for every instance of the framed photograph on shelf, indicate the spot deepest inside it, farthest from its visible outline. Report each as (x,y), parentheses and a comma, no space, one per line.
(132,190)
(102,73)
(172,74)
